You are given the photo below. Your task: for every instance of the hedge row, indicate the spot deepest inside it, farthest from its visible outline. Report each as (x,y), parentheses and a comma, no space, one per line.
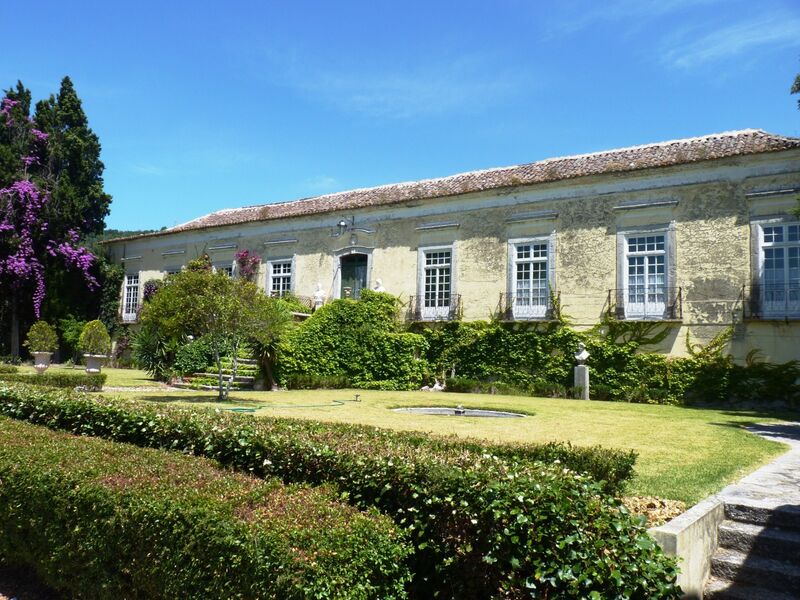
(91,382)
(105,520)
(8,368)
(484,524)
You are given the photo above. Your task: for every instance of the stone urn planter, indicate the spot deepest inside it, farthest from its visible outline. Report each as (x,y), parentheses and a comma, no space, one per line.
(94,362)
(41,360)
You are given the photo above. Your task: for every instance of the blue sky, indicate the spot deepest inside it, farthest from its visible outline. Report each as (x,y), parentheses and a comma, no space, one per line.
(201,106)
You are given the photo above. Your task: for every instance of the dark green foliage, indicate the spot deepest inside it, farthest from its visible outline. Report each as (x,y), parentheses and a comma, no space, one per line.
(8,368)
(295,305)
(102,520)
(355,339)
(313,382)
(194,357)
(486,521)
(92,382)
(154,352)
(70,328)
(538,360)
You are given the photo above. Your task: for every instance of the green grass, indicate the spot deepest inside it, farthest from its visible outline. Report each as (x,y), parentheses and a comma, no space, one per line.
(116,377)
(684,453)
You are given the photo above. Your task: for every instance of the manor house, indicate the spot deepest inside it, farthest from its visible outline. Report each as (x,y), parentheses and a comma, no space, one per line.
(698,233)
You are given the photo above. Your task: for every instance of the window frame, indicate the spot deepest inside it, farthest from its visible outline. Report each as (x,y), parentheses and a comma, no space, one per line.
(528,312)
(127,315)
(785,308)
(435,313)
(270,275)
(649,311)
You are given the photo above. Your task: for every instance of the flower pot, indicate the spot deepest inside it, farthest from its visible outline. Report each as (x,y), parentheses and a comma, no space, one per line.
(41,360)
(94,362)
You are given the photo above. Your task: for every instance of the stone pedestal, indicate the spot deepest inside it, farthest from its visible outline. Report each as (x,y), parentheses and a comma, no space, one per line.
(582,381)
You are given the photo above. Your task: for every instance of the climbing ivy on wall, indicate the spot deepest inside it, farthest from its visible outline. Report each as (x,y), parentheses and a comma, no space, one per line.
(359,340)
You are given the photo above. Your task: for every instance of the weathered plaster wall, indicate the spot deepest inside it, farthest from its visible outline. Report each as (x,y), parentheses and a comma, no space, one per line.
(705,205)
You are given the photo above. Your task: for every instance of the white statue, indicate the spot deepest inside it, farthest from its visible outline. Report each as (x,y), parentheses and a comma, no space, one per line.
(378,287)
(582,354)
(319,297)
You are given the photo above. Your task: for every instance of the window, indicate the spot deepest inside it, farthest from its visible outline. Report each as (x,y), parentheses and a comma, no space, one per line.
(436,283)
(279,277)
(130,297)
(780,270)
(646,287)
(226,268)
(530,286)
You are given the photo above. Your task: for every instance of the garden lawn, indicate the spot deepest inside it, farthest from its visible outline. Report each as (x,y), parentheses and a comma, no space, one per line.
(115,377)
(684,453)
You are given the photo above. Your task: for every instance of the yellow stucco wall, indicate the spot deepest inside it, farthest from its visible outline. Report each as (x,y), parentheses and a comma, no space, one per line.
(710,219)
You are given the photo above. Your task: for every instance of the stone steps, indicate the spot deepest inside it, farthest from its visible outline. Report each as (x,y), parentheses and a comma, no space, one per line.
(225,376)
(723,589)
(758,554)
(759,539)
(775,574)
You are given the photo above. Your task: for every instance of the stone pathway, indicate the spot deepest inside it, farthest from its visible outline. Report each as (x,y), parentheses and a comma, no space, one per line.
(758,552)
(775,484)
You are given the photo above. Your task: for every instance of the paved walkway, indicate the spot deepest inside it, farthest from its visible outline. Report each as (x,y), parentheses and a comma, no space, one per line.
(775,484)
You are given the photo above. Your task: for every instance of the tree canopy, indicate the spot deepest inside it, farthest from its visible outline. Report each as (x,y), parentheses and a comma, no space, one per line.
(226,311)
(51,198)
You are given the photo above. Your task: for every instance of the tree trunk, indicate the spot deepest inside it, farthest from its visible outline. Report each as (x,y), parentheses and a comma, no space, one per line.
(14,325)
(218,362)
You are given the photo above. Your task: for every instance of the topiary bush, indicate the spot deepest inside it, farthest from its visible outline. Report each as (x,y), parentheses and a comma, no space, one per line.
(42,337)
(95,339)
(103,520)
(486,521)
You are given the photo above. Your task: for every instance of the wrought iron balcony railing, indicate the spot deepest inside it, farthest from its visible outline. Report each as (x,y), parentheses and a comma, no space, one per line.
(437,308)
(646,303)
(516,307)
(771,302)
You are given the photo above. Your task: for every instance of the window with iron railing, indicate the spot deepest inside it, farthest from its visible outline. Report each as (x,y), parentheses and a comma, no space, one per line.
(779,282)
(646,286)
(437,284)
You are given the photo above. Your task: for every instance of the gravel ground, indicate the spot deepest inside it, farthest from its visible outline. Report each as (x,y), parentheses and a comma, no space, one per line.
(22,584)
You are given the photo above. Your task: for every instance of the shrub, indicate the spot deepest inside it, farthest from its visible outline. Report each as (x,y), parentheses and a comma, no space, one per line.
(487,521)
(312,382)
(153,352)
(42,337)
(71,329)
(91,382)
(95,339)
(294,304)
(8,368)
(357,340)
(194,357)
(105,520)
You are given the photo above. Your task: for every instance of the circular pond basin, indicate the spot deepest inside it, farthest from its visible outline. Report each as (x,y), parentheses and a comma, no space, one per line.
(458,412)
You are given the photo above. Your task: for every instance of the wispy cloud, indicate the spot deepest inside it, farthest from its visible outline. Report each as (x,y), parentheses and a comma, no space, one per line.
(578,16)
(465,84)
(689,48)
(321,184)
(147,169)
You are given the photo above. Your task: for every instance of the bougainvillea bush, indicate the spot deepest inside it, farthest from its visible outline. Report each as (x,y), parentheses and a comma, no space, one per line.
(30,239)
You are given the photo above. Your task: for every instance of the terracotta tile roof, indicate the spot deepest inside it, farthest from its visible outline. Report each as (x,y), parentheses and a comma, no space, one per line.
(634,158)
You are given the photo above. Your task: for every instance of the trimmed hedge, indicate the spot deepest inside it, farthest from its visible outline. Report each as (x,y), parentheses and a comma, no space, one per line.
(486,522)
(105,520)
(8,368)
(90,382)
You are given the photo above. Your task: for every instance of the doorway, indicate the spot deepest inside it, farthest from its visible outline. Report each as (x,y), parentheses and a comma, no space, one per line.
(353,275)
